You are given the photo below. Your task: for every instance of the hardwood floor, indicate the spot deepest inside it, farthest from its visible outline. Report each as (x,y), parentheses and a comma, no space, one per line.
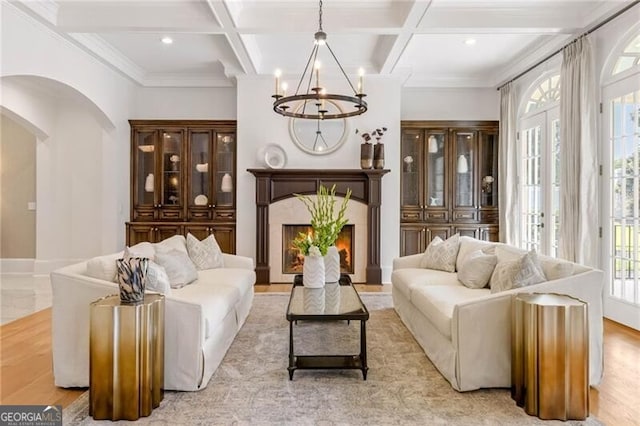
(26,375)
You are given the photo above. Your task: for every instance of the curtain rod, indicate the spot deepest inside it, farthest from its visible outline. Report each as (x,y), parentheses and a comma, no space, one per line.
(606,21)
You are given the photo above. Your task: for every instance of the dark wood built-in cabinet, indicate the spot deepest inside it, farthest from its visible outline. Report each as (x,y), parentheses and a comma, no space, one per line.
(183,179)
(449,182)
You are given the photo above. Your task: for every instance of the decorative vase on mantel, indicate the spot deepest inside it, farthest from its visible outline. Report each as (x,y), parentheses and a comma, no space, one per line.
(378,155)
(332,265)
(366,155)
(313,272)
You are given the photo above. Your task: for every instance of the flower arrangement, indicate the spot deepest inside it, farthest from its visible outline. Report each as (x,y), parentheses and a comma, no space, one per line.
(326,225)
(377,133)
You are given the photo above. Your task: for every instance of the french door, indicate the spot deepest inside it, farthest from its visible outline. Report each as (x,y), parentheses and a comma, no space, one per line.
(621,190)
(539,145)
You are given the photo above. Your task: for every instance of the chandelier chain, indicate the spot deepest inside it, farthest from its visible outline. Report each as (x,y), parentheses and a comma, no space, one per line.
(320,17)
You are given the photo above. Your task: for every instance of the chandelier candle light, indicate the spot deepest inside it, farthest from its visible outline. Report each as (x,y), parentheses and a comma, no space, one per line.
(314,98)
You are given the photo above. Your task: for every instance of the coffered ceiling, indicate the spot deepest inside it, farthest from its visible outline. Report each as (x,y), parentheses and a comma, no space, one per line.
(424,43)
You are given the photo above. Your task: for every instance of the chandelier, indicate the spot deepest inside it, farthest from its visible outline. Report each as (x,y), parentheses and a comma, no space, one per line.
(312,103)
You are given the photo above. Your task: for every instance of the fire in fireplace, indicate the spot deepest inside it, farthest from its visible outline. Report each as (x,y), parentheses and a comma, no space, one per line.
(292,259)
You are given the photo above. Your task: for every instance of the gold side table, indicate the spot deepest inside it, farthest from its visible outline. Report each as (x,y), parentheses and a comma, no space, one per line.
(550,356)
(126,357)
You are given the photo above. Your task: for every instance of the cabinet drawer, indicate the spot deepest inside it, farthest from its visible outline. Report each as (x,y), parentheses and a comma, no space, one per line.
(465,216)
(489,217)
(143,215)
(166,214)
(411,216)
(442,216)
(226,215)
(204,214)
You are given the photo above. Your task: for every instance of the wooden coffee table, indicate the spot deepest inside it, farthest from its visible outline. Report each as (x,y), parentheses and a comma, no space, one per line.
(350,307)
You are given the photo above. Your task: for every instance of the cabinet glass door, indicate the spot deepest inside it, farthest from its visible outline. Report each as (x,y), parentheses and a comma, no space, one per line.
(464,168)
(436,168)
(225,179)
(488,167)
(200,169)
(411,147)
(145,158)
(171,167)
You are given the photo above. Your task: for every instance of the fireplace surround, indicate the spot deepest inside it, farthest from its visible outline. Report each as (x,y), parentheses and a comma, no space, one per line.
(273,185)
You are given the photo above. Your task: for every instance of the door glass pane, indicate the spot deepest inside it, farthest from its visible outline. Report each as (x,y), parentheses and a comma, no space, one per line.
(145,163)
(200,172)
(225,179)
(436,168)
(531,200)
(411,141)
(464,169)
(625,198)
(488,169)
(171,165)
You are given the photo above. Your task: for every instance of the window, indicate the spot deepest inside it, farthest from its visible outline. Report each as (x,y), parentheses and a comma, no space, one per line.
(621,186)
(539,160)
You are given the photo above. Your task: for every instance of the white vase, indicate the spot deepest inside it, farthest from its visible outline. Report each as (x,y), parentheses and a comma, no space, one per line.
(313,301)
(463,165)
(227,183)
(313,272)
(149,183)
(332,265)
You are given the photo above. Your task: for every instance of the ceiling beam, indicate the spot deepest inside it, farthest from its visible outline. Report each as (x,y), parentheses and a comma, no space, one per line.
(223,16)
(414,17)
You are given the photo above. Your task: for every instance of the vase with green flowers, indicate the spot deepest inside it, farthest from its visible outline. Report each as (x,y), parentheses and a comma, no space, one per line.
(326,225)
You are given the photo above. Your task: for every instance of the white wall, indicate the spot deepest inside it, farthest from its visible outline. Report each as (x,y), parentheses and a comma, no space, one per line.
(259,126)
(78,109)
(450,104)
(185,103)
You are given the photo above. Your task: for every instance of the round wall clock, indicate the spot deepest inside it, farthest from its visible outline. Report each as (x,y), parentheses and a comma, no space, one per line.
(318,137)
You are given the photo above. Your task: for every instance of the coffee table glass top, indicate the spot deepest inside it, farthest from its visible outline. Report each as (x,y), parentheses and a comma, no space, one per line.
(333,301)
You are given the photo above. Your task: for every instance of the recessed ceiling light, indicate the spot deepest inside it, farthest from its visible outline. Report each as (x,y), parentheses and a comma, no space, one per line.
(167,40)
(470,41)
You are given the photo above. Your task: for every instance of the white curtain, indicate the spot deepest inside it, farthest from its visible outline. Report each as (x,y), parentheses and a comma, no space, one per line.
(578,240)
(507,163)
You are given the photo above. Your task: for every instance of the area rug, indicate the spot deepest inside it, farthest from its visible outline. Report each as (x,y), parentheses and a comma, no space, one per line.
(252,386)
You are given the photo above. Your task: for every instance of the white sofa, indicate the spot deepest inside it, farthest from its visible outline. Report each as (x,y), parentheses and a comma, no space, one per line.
(466,332)
(201,321)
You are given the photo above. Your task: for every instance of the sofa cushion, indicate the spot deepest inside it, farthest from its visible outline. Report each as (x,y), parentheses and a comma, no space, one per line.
(477,268)
(404,280)
(205,254)
(442,255)
(437,303)
(179,267)
(469,245)
(218,291)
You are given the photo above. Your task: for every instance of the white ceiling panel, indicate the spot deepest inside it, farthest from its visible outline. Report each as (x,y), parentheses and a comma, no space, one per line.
(421,41)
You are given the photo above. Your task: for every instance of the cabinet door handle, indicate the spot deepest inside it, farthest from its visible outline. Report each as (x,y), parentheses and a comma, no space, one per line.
(210,206)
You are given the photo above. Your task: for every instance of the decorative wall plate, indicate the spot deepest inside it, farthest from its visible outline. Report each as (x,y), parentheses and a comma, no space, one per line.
(275,156)
(201,200)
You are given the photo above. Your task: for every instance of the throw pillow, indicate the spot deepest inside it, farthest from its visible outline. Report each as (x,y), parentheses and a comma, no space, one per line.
(477,269)
(441,255)
(143,249)
(177,242)
(157,279)
(554,269)
(469,245)
(205,254)
(518,273)
(104,267)
(179,267)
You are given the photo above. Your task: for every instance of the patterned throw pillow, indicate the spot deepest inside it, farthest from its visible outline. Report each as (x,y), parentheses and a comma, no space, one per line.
(517,273)
(441,255)
(477,268)
(179,267)
(157,279)
(205,254)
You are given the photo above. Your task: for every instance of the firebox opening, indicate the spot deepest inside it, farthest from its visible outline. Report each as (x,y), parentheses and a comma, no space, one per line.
(292,259)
